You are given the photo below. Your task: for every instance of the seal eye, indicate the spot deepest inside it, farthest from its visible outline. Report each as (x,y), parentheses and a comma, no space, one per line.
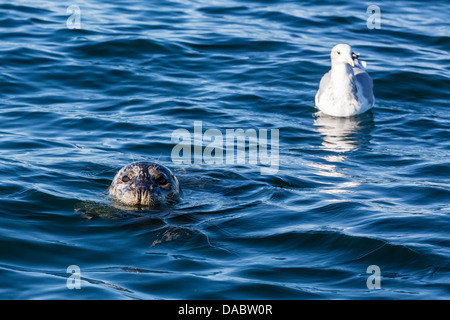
(125,178)
(161,181)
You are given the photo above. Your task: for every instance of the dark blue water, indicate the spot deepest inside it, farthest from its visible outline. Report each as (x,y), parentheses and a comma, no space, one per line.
(76,104)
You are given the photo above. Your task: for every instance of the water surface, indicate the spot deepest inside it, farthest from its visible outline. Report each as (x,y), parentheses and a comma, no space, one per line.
(78,104)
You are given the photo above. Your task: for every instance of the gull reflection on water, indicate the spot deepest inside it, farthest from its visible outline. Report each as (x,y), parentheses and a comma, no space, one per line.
(340,136)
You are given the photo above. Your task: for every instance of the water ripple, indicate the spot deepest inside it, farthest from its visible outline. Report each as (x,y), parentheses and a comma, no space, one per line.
(78,104)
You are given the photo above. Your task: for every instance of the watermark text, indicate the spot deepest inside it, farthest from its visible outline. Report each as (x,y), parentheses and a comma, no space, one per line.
(234,146)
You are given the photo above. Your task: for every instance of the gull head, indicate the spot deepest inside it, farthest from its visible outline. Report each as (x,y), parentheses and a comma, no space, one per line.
(342,54)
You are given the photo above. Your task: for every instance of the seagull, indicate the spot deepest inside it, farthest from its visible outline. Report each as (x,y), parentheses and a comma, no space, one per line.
(347,89)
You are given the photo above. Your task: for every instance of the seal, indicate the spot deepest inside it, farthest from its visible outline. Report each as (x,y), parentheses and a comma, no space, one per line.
(145,184)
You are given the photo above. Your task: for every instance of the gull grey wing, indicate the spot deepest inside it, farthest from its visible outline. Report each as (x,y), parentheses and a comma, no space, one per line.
(365,82)
(324,82)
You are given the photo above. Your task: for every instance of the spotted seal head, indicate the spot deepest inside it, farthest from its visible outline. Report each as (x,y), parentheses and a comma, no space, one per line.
(145,184)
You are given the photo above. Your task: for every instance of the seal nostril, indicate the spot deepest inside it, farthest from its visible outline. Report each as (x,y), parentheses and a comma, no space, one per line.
(142,188)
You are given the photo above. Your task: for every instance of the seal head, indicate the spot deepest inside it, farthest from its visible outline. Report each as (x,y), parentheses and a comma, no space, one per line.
(145,184)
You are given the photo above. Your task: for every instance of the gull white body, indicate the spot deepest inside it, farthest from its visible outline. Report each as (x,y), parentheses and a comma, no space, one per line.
(347,89)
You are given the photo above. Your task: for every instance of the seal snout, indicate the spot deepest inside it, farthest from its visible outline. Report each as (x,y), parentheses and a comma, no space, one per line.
(144,194)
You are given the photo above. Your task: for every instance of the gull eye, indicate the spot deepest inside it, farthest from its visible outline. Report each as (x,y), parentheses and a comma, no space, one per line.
(338,52)
(125,178)
(161,181)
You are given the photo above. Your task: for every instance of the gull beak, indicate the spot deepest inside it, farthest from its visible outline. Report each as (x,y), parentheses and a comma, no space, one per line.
(350,61)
